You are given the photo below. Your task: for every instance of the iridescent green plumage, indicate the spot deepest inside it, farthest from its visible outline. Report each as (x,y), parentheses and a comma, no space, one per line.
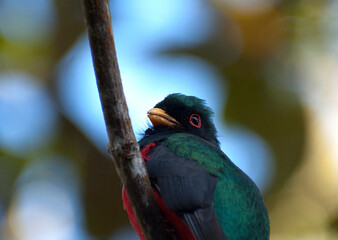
(236,199)
(238,203)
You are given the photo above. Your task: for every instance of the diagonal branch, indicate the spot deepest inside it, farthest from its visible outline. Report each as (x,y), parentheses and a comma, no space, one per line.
(123,146)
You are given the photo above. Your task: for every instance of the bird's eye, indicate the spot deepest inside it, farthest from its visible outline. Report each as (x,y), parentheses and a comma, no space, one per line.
(195,120)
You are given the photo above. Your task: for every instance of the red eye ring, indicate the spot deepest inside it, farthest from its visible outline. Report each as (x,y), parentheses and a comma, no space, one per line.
(195,120)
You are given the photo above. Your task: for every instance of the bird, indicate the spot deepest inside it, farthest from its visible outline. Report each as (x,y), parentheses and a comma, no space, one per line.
(201,192)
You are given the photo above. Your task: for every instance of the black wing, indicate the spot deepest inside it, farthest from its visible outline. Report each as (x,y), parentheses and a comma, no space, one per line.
(187,189)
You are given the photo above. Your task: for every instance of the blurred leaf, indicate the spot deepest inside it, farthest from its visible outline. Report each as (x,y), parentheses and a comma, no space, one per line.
(334,224)
(10,168)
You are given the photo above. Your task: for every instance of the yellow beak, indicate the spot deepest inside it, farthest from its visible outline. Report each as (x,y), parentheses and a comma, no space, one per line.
(159,117)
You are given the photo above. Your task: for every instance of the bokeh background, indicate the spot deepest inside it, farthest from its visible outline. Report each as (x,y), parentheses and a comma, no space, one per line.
(268,68)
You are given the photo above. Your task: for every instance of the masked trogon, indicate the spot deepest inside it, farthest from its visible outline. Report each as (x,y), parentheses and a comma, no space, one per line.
(203,195)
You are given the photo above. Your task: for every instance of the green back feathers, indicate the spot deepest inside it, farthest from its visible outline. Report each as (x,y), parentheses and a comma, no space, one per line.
(190,146)
(238,202)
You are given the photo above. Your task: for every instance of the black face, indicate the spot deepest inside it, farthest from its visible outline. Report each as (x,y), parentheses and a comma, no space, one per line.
(192,114)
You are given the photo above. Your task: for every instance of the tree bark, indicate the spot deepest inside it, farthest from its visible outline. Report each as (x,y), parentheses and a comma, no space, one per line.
(122,143)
